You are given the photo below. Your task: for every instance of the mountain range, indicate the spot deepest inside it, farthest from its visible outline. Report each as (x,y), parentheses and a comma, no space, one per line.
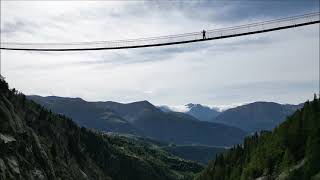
(250,117)
(143,119)
(37,144)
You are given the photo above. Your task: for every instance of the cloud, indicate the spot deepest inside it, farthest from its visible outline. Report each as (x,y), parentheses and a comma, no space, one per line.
(215,72)
(276,91)
(178,108)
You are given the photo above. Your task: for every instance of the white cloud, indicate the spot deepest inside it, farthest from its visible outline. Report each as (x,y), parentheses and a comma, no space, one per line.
(206,73)
(178,108)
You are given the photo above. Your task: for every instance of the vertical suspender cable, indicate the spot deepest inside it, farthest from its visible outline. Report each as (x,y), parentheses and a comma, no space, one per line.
(0,38)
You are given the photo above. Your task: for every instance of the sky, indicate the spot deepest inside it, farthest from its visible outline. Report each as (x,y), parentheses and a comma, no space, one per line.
(280,66)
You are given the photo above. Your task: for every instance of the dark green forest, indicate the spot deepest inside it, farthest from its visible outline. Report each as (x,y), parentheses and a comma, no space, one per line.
(202,154)
(291,151)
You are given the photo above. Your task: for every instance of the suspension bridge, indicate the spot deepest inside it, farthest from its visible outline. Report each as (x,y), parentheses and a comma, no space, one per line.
(215,34)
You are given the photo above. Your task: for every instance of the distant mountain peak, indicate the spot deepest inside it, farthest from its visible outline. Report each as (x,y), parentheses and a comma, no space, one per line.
(202,112)
(198,111)
(256,116)
(144,103)
(192,105)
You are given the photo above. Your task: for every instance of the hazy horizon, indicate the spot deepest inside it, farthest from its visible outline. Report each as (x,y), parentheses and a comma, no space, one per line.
(183,107)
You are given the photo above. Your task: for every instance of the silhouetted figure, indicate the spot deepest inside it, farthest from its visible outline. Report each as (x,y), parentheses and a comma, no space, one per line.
(204,34)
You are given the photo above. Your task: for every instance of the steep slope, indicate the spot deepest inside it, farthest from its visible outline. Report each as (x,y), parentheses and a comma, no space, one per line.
(291,151)
(201,112)
(147,120)
(38,144)
(256,116)
(165,108)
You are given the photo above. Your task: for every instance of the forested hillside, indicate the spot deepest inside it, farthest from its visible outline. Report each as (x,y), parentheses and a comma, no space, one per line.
(201,154)
(38,144)
(291,151)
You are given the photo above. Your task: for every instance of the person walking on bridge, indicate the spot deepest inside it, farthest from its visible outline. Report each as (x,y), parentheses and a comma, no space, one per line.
(204,34)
